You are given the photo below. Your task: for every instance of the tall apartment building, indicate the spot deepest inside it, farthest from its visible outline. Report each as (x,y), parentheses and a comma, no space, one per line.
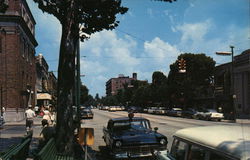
(115,84)
(17,59)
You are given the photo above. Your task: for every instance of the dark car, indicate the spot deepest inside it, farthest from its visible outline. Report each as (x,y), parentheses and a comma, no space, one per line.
(134,109)
(189,113)
(174,112)
(86,113)
(132,137)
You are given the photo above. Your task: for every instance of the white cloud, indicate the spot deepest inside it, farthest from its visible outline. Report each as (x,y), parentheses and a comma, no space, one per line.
(107,44)
(107,55)
(160,49)
(194,31)
(92,67)
(47,24)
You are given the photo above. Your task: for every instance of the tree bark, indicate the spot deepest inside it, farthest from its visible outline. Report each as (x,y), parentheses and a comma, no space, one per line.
(66,77)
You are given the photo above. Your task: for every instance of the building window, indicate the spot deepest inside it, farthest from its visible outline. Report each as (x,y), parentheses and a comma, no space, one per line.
(1,45)
(23,47)
(27,52)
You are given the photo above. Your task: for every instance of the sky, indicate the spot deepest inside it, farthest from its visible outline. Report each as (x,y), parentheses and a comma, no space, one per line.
(150,37)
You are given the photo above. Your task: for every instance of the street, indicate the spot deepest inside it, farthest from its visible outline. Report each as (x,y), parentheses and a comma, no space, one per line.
(167,126)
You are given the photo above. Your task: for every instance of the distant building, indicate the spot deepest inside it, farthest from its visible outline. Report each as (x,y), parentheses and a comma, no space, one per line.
(46,83)
(17,59)
(223,89)
(115,84)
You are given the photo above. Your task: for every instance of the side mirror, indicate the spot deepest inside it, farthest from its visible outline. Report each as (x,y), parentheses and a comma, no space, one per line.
(156,129)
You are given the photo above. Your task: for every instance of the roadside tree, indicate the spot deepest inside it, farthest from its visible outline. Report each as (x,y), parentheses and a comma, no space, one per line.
(93,16)
(197,81)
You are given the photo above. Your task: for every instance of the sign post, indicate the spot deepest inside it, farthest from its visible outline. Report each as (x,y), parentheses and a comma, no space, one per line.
(86,138)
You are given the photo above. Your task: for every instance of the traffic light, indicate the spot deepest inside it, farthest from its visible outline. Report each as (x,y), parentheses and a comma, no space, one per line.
(182,65)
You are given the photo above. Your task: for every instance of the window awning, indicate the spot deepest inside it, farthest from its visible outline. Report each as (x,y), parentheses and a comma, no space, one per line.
(43,96)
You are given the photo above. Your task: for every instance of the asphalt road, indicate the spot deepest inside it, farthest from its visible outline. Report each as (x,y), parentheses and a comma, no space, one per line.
(167,126)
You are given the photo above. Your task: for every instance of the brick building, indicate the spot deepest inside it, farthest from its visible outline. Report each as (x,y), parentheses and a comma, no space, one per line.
(46,83)
(17,59)
(115,84)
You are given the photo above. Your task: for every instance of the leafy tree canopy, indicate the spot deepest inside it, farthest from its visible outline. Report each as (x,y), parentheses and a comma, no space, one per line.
(158,78)
(3,6)
(93,15)
(196,82)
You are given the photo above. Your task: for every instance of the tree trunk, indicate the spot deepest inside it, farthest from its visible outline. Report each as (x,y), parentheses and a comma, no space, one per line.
(66,77)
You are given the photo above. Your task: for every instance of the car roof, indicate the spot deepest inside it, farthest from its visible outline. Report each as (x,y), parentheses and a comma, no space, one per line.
(126,118)
(231,140)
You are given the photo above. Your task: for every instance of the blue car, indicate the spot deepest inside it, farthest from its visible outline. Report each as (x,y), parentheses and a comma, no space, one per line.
(132,137)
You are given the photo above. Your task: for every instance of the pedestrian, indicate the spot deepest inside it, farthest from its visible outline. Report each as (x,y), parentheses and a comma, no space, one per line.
(29,114)
(46,133)
(3,109)
(52,117)
(47,115)
(36,110)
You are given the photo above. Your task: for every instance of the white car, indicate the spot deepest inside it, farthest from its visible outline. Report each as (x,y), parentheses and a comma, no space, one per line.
(152,110)
(223,142)
(214,115)
(161,110)
(112,109)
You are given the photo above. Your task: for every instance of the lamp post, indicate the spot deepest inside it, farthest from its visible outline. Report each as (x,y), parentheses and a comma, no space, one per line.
(29,94)
(233,96)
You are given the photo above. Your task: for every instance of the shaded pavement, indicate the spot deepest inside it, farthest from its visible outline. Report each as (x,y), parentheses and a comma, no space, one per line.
(13,132)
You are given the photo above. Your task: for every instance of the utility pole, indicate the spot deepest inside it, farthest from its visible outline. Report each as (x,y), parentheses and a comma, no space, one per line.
(232,83)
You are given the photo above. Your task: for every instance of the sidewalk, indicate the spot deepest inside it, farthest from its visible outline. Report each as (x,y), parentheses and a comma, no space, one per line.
(13,132)
(243,121)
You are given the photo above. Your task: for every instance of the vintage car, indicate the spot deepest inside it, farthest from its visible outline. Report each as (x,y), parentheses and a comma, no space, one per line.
(189,113)
(209,114)
(86,113)
(223,142)
(174,112)
(160,110)
(132,137)
(112,109)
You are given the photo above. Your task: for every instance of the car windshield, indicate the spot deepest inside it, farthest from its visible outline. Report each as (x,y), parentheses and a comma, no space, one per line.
(86,111)
(131,125)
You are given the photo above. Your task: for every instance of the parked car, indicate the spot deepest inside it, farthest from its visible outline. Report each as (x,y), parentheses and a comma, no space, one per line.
(214,115)
(209,114)
(189,113)
(132,137)
(105,108)
(224,142)
(86,113)
(174,112)
(112,109)
(134,109)
(145,110)
(152,110)
(160,110)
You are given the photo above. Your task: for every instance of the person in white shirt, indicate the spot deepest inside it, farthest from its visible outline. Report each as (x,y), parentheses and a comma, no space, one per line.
(47,115)
(29,114)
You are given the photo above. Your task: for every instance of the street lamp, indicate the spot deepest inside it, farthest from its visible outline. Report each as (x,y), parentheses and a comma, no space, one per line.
(233,96)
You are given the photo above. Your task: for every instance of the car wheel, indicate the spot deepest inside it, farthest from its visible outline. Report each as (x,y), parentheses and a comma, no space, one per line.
(219,120)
